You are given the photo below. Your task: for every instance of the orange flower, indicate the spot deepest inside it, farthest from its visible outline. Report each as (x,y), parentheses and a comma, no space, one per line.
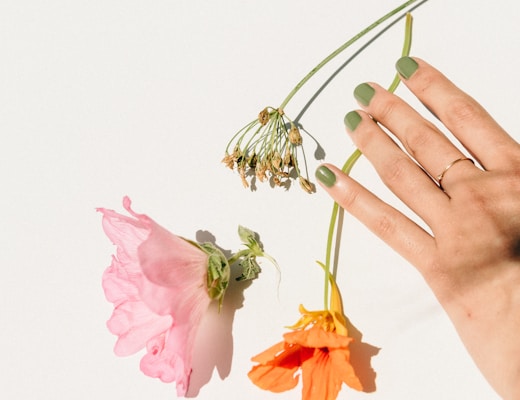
(319,347)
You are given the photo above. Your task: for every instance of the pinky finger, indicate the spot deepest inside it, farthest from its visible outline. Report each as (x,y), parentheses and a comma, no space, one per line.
(393,227)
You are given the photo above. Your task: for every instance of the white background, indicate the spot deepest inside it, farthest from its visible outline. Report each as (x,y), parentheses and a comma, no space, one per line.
(101,99)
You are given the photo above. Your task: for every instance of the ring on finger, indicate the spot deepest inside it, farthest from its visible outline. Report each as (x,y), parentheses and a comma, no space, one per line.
(440,177)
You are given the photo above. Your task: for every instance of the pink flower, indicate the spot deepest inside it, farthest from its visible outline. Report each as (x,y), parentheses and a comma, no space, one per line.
(158,283)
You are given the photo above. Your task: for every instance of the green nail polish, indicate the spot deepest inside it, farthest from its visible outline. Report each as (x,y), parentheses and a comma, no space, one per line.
(364,93)
(325,176)
(352,120)
(406,66)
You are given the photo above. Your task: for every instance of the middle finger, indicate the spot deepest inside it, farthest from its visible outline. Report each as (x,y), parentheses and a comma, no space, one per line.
(421,139)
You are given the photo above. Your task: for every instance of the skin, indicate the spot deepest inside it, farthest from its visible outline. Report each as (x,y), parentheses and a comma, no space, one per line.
(471,258)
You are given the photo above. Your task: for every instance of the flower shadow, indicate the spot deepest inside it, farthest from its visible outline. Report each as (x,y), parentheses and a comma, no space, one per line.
(214,342)
(360,353)
(361,357)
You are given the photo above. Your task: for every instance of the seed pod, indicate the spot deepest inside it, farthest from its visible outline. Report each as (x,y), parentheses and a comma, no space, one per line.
(294,135)
(263,116)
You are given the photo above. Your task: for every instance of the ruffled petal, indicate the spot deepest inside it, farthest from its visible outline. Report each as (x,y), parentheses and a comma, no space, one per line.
(316,337)
(131,320)
(320,381)
(157,282)
(277,372)
(269,354)
(169,356)
(340,361)
(135,325)
(323,358)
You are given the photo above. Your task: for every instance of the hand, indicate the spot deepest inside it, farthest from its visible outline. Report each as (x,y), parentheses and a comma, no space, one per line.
(471,257)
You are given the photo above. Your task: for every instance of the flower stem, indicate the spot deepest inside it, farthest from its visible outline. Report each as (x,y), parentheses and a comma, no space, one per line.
(343,47)
(347,167)
(235,257)
(351,161)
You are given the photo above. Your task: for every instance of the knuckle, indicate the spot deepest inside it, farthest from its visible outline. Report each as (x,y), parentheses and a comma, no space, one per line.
(463,109)
(419,138)
(387,109)
(384,226)
(349,198)
(395,171)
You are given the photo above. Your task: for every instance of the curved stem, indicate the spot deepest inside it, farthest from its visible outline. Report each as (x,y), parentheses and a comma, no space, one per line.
(343,47)
(347,167)
(351,161)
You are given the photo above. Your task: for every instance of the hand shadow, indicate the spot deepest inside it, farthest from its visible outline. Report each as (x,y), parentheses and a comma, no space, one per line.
(214,342)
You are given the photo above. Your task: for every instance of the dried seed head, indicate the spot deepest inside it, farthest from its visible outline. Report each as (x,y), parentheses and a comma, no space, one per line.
(229,160)
(287,158)
(276,161)
(294,135)
(263,116)
(306,185)
(242,173)
(260,171)
(252,160)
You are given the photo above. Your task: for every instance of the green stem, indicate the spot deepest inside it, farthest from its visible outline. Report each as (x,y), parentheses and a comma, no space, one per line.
(343,47)
(351,161)
(407,45)
(235,257)
(347,167)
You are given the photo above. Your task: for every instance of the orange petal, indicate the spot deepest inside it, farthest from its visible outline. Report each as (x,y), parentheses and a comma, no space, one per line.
(316,337)
(340,361)
(273,378)
(320,380)
(269,354)
(277,370)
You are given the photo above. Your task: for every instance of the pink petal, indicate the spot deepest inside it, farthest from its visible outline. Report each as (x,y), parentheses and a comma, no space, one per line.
(169,356)
(175,271)
(157,282)
(134,324)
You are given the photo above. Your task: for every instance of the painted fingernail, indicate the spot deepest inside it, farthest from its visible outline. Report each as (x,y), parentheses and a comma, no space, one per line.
(406,66)
(364,93)
(352,120)
(325,176)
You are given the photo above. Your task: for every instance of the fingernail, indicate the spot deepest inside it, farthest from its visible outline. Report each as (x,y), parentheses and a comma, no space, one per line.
(406,66)
(325,176)
(352,120)
(364,93)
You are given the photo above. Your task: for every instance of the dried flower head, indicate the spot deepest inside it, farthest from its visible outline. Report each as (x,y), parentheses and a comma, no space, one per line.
(268,148)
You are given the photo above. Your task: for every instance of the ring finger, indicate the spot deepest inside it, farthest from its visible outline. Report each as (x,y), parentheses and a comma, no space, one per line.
(397,170)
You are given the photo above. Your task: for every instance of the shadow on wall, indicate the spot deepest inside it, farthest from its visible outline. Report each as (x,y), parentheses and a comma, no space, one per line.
(361,358)
(214,343)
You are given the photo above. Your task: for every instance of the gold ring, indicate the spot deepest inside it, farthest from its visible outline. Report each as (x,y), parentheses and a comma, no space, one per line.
(451,164)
